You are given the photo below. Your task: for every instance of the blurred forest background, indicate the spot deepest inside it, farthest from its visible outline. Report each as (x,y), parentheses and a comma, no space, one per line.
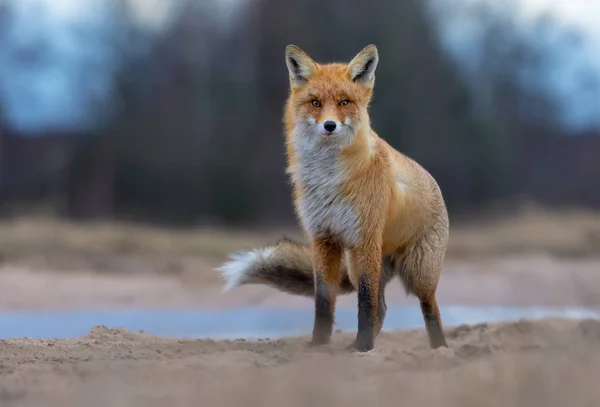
(174,117)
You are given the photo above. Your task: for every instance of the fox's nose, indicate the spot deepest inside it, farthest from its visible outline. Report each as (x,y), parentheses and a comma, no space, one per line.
(329,126)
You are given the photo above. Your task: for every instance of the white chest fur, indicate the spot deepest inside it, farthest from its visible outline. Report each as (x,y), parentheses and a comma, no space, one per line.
(322,209)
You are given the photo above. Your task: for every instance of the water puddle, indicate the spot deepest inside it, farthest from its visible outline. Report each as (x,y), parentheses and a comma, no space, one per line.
(250,323)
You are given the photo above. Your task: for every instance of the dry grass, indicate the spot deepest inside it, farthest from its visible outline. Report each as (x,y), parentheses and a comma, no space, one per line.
(566,234)
(563,234)
(39,236)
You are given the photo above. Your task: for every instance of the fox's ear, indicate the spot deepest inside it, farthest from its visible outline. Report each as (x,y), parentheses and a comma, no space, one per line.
(299,64)
(362,67)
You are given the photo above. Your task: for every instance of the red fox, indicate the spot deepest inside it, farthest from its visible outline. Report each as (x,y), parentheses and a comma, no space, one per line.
(369,211)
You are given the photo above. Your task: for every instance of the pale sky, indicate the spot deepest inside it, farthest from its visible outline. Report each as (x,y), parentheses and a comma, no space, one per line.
(580,107)
(585,13)
(52,96)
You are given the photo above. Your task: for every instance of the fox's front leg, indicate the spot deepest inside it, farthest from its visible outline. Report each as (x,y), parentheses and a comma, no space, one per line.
(367,273)
(326,266)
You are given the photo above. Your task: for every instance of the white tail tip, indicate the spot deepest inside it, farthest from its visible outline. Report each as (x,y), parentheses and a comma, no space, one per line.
(236,271)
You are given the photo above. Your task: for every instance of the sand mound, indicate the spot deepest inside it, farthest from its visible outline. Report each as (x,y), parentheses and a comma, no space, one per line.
(530,363)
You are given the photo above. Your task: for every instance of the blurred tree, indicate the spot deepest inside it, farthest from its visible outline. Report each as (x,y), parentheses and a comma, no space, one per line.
(92,182)
(193,132)
(419,101)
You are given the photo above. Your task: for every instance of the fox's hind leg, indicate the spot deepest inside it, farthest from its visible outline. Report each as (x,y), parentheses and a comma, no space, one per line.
(420,274)
(382,310)
(433,322)
(387,273)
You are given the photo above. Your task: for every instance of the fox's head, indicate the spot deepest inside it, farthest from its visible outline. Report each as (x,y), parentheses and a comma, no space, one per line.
(329,101)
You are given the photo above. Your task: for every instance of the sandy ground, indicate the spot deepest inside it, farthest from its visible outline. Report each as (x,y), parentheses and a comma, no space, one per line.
(550,363)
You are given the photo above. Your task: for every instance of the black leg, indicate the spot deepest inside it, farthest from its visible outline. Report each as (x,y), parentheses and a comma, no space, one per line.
(323,325)
(368,314)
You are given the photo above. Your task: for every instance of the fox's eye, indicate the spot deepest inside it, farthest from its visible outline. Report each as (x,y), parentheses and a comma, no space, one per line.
(344,102)
(316,103)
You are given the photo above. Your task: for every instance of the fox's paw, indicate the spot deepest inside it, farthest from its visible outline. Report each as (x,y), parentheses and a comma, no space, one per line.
(317,342)
(361,345)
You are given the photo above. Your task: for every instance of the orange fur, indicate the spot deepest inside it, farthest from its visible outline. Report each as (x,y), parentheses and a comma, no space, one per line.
(369,211)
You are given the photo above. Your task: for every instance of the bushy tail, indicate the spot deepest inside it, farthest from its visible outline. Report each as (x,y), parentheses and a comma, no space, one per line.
(286,266)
